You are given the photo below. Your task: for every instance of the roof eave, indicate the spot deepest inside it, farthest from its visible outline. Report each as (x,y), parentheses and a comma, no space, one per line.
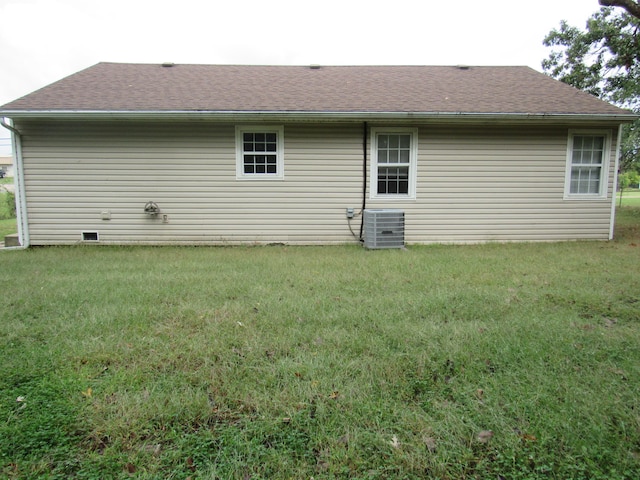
(315,116)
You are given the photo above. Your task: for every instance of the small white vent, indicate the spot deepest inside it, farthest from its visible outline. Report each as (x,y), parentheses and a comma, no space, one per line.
(383,228)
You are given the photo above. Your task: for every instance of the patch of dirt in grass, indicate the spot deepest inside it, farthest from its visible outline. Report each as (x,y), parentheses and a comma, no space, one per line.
(621,309)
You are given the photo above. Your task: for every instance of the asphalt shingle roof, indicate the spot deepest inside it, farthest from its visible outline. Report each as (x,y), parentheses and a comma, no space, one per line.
(117,87)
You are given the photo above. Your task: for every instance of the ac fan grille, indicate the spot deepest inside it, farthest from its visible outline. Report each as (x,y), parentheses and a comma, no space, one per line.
(383,228)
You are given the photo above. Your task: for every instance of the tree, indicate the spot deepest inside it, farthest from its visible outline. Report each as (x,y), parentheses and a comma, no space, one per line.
(626,180)
(633,8)
(603,60)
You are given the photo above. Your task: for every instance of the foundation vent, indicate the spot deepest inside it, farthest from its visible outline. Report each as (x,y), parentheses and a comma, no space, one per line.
(90,237)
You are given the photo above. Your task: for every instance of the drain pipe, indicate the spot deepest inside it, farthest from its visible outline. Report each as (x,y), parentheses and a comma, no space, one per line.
(615,184)
(364,178)
(21,201)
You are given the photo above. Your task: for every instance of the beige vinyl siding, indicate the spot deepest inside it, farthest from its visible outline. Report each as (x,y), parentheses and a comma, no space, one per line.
(474,184)
(74,171)
(478,184)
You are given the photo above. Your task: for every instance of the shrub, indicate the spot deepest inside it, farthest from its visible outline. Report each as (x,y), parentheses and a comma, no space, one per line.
(7,204)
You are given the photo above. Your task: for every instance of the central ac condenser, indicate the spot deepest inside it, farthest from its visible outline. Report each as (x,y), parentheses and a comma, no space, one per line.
(383,228)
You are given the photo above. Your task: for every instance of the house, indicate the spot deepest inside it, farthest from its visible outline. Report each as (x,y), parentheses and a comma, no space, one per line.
(289,154)
(6,166)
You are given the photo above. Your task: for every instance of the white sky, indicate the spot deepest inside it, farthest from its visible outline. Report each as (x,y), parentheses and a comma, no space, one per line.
(42,41)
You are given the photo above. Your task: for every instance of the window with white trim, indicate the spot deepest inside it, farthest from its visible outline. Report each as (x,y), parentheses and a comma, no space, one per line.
(587,164)
(259,152)
(394,156)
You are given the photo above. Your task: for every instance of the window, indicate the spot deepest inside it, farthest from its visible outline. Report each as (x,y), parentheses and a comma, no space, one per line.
(259,152)
(587,165)
(393,171)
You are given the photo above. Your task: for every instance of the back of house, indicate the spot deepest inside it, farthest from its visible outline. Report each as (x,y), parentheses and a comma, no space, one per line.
(224,154)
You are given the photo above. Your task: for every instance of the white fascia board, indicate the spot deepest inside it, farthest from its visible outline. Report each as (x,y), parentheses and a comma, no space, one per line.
(319,116)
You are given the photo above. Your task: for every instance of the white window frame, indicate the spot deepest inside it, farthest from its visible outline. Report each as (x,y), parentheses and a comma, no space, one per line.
(240,131)
(413,163)
(605,166)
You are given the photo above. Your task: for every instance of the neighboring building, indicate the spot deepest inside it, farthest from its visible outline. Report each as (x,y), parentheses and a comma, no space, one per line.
(260,154)
(6,166)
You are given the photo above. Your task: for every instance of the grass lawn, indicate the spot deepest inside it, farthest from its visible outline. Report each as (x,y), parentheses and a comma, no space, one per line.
(7,227)
(630,198)
(516,361)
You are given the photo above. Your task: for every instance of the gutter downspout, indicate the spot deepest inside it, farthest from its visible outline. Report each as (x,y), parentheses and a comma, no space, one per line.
(364,178)
(21,201)
(615,183)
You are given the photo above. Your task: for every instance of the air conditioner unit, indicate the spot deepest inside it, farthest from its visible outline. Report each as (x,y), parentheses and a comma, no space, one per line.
(383,228)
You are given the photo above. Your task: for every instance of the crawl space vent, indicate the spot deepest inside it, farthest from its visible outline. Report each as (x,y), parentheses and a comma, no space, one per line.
(383,228)
(90,237)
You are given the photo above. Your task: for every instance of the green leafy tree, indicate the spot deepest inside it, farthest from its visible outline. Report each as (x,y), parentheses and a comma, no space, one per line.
(604,60)
(630,179)
(626,180)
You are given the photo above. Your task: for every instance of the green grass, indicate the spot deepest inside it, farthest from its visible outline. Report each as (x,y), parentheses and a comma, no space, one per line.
(630,198)
(8,227)
(323,362)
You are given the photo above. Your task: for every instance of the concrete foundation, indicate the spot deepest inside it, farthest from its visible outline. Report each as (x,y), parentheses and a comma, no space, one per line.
(11,240)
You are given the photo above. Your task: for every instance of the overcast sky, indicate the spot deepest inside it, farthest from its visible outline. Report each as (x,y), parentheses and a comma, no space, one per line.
(42,41)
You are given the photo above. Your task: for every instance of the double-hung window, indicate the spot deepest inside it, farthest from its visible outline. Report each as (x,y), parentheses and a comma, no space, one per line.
(259,152)
(587,165)
(394,157)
